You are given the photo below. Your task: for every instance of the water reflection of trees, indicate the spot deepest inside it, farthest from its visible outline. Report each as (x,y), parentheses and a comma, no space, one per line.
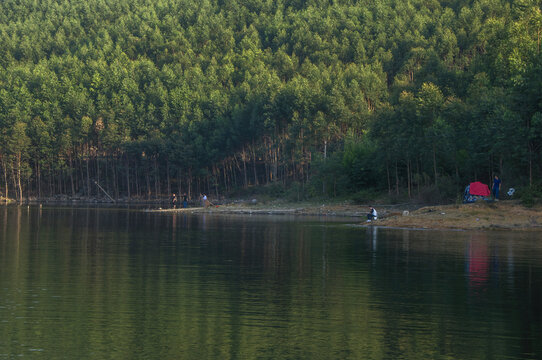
(438,287)
(231,287)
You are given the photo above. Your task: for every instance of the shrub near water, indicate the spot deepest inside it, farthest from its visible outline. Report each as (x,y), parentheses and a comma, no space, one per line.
(364,196)
(530,195)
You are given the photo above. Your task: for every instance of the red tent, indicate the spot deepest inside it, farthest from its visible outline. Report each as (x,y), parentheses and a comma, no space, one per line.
(479,189)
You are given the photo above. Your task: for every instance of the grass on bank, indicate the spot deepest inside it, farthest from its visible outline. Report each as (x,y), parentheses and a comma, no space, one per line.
(278,194)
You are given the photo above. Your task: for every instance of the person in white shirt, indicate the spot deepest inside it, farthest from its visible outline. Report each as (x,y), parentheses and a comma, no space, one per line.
(372,215)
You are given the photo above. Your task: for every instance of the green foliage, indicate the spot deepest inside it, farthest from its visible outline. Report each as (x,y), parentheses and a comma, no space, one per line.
(329,177)
(403,95)
(364,196)
(360,163)
(446,191)
(530,195)
(295,192)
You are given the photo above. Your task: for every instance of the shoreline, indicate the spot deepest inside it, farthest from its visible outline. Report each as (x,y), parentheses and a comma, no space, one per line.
(499,215)
(502,215)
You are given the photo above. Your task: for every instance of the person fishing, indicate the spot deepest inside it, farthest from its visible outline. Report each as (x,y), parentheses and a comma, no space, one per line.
(372,215)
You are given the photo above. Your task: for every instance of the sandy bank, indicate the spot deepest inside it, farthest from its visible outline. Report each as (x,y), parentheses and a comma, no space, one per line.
(503,215)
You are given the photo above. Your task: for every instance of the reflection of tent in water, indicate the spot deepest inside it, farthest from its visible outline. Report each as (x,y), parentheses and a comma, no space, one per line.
(478,261)
(476,191)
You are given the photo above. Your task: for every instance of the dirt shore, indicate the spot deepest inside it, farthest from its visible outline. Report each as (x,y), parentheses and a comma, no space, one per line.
(503,215)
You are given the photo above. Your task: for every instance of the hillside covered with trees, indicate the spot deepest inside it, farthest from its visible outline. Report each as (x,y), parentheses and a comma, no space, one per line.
(145,98)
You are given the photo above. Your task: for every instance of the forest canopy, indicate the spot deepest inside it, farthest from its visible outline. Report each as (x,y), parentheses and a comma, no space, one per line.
(148,97)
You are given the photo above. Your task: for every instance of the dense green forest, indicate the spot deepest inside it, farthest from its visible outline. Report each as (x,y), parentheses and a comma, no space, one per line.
(324,98)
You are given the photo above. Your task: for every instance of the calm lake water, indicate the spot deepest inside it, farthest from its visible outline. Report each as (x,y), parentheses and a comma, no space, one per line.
(127,284)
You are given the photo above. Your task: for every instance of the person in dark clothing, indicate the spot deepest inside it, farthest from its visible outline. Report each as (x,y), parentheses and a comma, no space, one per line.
(496,187)
(174,200)
(185,201)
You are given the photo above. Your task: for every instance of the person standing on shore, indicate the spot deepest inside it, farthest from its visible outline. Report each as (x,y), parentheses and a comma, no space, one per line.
(174,200)
(496,187)
(185,201)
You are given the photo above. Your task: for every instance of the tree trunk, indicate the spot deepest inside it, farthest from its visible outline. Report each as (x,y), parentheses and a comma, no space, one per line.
(396,179)
(157,189)
(81,175)
(167,175)
(325,158)
(108,178)
(276,163)
(538,40)
(309,165)
(254,163)
(233,174)
(71,175)
(208,181)
(49,181)
(4,166)
(435,165)
(148,181)
(267,159)
(530,166)
(19,155)
(114,170)
(302,165)
(60,187)
(408,179)
(14,182)
(217,173)
(456,173)
(388,176)
(136,177)
(127,163)
(88,175)
(189,183)
(244,158)
(179,181)
(418,172)
(98,180)
(38,173)
(225,175)
(293,166)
